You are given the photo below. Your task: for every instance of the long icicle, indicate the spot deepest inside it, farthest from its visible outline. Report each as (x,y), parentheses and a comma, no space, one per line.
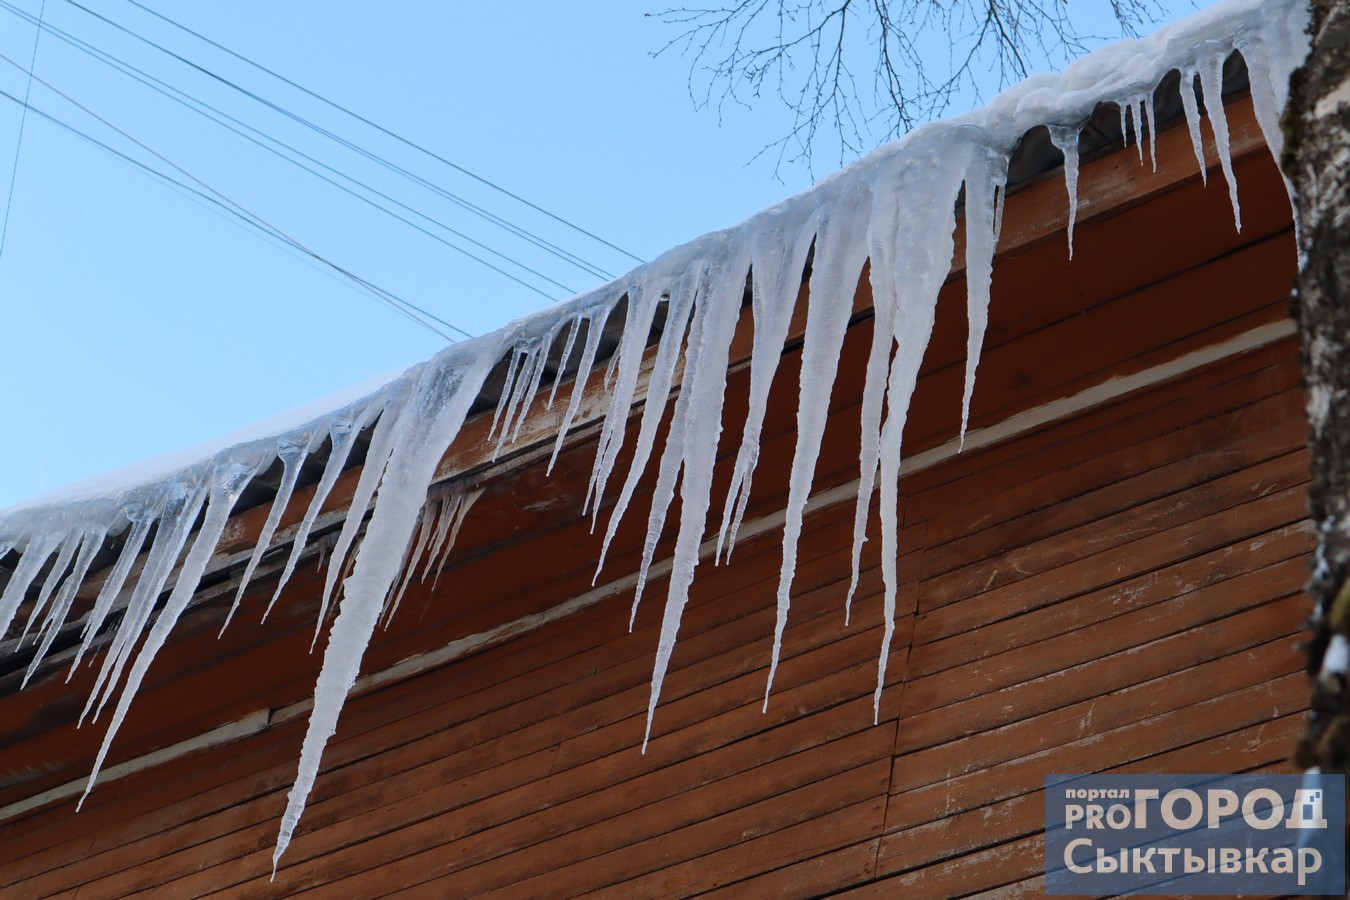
(707,392)
(1192,111)
(225,486)
(383,445)
(839,262)
(175,524)
(671,463)
(777,259)
(1211,82)
(653,411)
(439,402)
(986,178)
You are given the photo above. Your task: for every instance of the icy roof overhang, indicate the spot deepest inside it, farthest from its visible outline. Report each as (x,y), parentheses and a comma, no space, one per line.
(894,211)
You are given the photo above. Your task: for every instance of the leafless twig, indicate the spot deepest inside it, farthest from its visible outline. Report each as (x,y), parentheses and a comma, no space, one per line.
(815,57)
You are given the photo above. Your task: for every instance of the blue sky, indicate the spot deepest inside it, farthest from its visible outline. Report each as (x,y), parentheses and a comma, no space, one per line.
(137,321)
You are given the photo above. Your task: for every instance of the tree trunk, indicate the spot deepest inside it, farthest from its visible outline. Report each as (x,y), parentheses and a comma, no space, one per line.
(1317,158)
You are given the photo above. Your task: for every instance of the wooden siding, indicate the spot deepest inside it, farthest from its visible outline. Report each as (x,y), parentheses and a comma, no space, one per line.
(1119,592)
(1116,591)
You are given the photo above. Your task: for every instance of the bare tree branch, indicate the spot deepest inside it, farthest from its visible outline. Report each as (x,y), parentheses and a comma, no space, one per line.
(920,54)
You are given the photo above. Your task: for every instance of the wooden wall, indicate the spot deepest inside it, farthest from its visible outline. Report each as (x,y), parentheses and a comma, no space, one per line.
(1119,592)
(1116,591)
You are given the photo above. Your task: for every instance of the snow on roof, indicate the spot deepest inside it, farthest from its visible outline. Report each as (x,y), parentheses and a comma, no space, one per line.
(895,208)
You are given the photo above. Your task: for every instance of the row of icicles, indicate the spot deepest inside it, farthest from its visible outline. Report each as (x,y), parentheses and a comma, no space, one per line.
(895,209)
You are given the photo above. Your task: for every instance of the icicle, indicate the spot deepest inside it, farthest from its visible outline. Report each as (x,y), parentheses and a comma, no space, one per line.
(1192,110)
(538,363)
(527,386)
(92,543)
(612,367)
(292,451)
(1137,113)
(382,446)
(642,301)
(670,465)
(914,323)
(999,197)
(1066,139)
(869,453)
(1146,102)
(562,360)
(68,542)
(462,507)
(594,330)
(917,229)
(463,503)
(184,501)
(509,386)
(1211,82)
(705,381)
(449,514)
(541,365)
(425,427)
(984,182)
(663,494)
(30,563)
(324,546)
(658,396)
(430,512)
(778,250)
(841,249)
(1124,107)
(515,408)
(342,432)
(889,475)
(142,517)
(928,237)
(1271,53)
(225,486)
(1266,106)
(515,391)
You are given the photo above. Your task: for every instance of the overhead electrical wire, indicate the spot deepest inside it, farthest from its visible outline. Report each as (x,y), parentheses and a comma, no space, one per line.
(218,116)
(373,157)
(210,195)
(212,113)
(340,187)
(23,118)
(380,128)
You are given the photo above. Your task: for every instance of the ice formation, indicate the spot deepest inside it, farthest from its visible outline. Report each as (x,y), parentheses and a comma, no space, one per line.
(896,209)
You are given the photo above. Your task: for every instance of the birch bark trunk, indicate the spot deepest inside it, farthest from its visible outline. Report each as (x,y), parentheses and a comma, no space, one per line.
(1317,158)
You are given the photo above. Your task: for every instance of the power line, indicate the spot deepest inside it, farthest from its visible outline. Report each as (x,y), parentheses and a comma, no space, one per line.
(23,118)
(224,203)
(377,127)
(201,107)
(376,158)
(345,189)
